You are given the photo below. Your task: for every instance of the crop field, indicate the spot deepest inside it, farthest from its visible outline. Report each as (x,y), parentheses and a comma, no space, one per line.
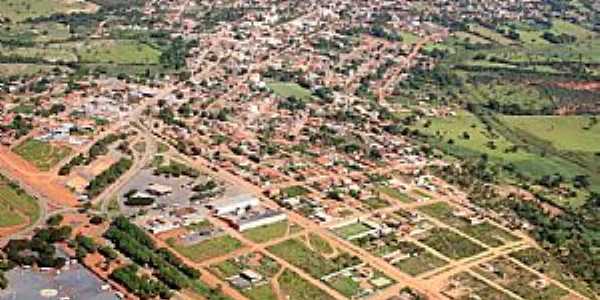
(20,10)
(208,249)
(268,232)
(42,155)
(288,89)
(16,207)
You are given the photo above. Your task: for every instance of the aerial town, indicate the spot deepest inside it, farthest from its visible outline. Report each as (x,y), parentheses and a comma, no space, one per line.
(299,150)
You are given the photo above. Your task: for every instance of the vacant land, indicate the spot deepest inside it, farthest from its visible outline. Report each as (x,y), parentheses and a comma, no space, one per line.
(208,249)
(42,155)
(420,263)
(300,255)
(569,133)
(351,230)
(543,262)
(268,232)
(117,52)
(395,193)
(20,10)
(451,244)
(288,89)
(16,207)
(295,287)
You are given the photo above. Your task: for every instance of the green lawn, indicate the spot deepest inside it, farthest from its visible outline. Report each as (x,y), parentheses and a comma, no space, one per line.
(208,249)
(42,155)
(19,10)
(260,292)
(289,89)
(294,191)
(16,205)
(297,288)
(268,232)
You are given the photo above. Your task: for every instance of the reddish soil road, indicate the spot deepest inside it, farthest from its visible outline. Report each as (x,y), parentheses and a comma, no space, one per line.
(45,184)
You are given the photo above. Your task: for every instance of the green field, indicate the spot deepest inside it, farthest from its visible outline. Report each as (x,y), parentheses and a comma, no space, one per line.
(395,193)
(562,132)
(117,52)
(297,288)
(42,155)
(19,10)
(485,232)
(288,89)
(300,255)
(16,207)
(350,230)
(268,232)
(450,244)
(419,264)
(209,248)
(543,262)
(490,35)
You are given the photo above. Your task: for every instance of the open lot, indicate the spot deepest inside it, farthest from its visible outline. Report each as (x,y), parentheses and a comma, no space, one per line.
(297,288)
(19,10)
(485,232)
(287,89)
(451,244)
(268,232)
(16,207)
(520,281)
(206,249)
(543,262)
(42,155)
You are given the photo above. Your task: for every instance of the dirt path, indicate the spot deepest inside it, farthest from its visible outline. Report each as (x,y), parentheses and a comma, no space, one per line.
(275,285)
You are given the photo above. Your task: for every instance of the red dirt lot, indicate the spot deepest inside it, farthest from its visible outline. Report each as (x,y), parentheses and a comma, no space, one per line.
(582,86)
(45,184)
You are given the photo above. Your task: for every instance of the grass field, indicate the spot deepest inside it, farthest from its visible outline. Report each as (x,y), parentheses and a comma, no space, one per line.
(563,132)
(485,232)
(490,35)
(543,262)
(419,264)
(42,155)
(450,244)
(117,52)
(16,207)
(7,70)
(395,193)
(518,280)
(288,89)
(297,288)
(46,54)
(19,10)
(350,230)
(268,232)
(208,249)
(300,255)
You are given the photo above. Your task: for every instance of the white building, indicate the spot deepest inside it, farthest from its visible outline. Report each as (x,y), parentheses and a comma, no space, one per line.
(233,205)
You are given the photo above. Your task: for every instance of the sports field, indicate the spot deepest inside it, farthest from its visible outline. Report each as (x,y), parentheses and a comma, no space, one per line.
(42,155)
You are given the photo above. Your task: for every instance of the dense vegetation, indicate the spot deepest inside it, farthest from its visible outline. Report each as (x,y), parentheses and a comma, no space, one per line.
(109,176)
